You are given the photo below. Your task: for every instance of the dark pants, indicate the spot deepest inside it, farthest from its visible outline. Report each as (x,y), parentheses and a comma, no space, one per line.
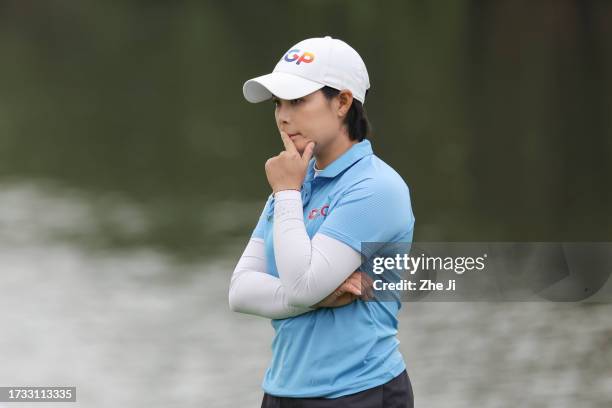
(396,393)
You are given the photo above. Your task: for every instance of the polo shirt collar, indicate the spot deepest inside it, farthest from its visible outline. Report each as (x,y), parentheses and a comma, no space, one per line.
(346,160)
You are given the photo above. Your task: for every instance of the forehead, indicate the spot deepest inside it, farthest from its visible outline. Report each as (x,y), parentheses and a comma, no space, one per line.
(314,95)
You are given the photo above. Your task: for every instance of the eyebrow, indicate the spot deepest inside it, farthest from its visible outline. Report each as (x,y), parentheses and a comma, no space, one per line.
(277,99)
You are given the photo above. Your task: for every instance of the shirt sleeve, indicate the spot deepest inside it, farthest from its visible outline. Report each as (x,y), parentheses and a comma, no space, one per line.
(370,211)
(253,291)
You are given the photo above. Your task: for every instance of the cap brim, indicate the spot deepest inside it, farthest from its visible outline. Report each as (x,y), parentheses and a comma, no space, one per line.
(280,84)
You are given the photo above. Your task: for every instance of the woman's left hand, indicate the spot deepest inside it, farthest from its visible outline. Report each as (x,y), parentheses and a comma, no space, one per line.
(357,286)
(287,170)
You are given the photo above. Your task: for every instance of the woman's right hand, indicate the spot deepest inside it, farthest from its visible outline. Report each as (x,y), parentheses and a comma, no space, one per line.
(357,285)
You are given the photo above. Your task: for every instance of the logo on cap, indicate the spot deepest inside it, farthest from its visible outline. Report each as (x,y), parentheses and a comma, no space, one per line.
(306,57)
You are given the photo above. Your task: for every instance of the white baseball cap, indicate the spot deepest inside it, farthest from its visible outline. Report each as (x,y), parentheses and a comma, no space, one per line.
(308,66)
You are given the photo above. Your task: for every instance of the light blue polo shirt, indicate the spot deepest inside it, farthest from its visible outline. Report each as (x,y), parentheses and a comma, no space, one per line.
(331,352)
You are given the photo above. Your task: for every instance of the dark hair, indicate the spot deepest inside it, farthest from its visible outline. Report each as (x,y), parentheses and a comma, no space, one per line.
(356,119)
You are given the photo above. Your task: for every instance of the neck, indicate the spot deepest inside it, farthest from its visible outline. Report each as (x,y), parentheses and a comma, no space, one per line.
(327,156)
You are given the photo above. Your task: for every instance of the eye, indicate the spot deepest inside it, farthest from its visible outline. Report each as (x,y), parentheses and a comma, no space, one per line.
(297,101)
(275,102)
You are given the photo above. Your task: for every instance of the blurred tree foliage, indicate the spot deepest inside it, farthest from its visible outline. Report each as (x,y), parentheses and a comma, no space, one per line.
(496,113)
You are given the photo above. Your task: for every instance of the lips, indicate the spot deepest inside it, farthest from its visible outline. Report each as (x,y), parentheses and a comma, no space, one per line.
(292,135)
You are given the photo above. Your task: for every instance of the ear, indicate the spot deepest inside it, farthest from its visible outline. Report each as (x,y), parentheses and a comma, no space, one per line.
(345,100)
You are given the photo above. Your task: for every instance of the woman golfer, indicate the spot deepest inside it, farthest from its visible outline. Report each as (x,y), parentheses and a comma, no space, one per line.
(332,347)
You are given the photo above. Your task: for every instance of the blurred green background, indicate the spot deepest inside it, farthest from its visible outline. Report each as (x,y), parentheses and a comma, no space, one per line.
(496,113)
(132,174)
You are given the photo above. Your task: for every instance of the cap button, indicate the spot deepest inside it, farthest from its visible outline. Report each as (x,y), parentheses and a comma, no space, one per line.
(327,36)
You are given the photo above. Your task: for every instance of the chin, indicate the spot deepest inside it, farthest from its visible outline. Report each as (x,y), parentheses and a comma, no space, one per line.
(301,145)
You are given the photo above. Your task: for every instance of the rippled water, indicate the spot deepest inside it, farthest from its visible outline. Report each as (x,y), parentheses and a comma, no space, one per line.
(134,326)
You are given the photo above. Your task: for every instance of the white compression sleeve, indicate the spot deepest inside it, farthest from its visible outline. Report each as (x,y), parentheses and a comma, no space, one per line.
(309,271)
(253,291)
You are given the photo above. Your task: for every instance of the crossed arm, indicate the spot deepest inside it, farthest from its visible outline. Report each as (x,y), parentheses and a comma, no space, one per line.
(309,271)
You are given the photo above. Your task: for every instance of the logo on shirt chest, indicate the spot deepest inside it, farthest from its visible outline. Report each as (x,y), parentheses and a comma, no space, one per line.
(315,212)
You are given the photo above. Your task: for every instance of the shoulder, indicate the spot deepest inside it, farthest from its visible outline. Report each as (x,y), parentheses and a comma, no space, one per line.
(375,175)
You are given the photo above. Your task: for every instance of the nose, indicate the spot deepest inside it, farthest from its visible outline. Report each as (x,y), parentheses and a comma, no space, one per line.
(282,115)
